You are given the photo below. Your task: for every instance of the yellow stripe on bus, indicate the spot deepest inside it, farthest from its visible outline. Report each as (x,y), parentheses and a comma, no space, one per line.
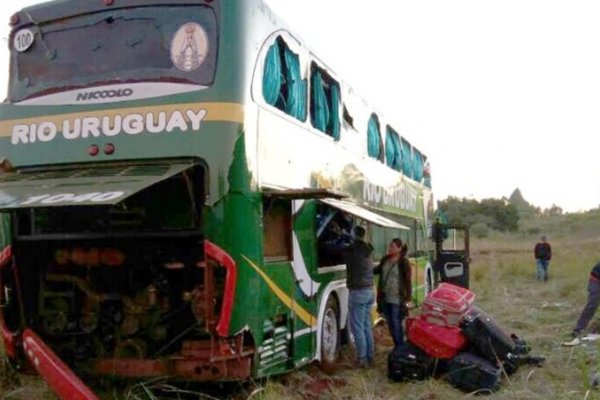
(228,112)
(302,313)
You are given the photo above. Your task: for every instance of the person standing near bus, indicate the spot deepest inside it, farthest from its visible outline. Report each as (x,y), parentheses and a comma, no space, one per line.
(395,284)
(592,304)
(543,254)
(359,280)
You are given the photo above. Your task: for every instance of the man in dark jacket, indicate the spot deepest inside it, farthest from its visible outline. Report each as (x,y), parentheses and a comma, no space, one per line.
(359,279)
(543,254)
(592,303)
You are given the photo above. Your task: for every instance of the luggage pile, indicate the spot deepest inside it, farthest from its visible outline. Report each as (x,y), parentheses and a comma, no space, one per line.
(454,338)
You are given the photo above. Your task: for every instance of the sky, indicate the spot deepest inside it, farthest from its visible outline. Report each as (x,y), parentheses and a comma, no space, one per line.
(498,94)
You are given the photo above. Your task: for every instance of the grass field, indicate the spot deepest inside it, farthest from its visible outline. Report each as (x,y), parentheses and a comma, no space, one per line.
(503,278)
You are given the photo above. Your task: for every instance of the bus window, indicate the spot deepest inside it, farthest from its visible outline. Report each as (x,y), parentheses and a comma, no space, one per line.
(407,159)
(134,44)
(325,102)
(333,235)
(277,229)
(374,142)
(454,240)
(418,166)
(426,172)
(283,86)
(347,117)
(393,156)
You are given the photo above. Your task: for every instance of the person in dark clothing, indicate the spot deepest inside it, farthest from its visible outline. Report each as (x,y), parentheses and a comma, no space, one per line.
(395,283)
(593,301)
(359,280)
(543,254)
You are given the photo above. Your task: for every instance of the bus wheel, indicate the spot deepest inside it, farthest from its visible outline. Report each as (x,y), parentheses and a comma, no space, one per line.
(330,332)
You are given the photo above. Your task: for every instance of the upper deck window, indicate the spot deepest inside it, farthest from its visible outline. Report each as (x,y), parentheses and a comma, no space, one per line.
(325,102)
(393,152)
(374,143)
(143,44)
(407,159)
(283,86)
(418,166)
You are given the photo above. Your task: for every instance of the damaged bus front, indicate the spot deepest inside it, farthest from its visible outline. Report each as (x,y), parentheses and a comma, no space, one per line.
(114,136)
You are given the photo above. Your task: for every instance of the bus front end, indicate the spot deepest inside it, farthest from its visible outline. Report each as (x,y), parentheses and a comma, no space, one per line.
(118,139)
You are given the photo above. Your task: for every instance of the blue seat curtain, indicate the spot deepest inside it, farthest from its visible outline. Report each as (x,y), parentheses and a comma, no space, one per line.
(320,114)
(272,78)
(296,96)
(335,112)
(390,151)
(393,149)
(398,150)
(373,138)
(407,159)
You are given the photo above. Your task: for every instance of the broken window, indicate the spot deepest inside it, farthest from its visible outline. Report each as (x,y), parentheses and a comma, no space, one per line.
(283,86)
(333,235)
(277,229)
(374,142)
(126,45)
(325,102)
(347,117)
(393,155)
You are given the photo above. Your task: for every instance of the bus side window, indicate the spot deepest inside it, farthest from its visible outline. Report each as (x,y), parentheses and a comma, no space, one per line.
(418,166)
(283,86)
(325,102)
(407,159)
(374,142)
(277,229)
(393,155)
(333,235)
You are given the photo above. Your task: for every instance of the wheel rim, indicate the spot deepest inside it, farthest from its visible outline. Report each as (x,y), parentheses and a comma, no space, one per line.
(329,336)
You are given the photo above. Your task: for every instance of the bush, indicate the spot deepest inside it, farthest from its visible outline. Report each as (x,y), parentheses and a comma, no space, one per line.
(480,230)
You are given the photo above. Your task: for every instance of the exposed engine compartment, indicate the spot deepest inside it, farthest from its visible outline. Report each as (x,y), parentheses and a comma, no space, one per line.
(131,299)
(131,289)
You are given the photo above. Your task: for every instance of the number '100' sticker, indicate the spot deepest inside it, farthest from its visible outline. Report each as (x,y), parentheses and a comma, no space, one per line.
(23,40)
(95,197)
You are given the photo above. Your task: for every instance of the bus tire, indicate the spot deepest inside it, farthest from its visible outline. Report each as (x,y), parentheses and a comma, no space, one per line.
(330,332)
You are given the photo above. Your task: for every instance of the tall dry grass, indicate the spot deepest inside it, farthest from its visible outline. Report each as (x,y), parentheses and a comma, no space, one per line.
(503,278)
(544,313)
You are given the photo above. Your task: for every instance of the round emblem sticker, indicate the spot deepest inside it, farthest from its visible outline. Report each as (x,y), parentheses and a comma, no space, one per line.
(189,47)
(23,40)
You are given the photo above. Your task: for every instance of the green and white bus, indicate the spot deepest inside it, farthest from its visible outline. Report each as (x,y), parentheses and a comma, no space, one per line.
(178,177)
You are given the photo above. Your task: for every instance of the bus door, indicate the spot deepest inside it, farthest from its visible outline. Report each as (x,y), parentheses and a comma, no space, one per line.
(452,254)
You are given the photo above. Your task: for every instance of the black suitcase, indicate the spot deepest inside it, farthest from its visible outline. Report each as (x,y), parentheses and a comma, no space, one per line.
(487,338)
(470,372)
(408,362)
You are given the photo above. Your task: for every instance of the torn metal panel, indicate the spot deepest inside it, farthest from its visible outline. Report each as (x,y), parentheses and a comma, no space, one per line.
(98,185)
(304,193)
(363,213)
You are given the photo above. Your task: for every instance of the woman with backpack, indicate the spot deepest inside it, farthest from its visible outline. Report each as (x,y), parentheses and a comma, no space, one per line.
(395,288)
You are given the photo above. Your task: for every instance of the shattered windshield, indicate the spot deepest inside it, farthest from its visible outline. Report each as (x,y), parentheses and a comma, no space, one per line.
(143,44)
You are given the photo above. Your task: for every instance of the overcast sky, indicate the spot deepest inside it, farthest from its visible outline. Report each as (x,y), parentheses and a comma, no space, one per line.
(498,94)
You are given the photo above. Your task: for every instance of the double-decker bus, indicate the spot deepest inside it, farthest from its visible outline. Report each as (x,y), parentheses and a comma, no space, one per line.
(178,178)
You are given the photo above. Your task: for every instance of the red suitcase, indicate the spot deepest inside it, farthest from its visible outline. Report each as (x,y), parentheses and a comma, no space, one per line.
(447,305)
(436,341)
